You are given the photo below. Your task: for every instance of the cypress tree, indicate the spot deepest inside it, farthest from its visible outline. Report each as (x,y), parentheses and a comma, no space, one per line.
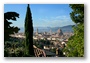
(29,33)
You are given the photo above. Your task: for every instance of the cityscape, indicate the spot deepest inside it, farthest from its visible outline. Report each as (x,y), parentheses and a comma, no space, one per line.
(46,30)
(49,42)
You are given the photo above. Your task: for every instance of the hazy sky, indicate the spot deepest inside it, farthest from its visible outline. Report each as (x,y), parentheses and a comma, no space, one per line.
(43,15)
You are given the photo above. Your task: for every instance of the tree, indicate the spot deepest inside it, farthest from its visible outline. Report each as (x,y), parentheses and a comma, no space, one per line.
(7,28)
(75,45)
(29,33)
(77,14)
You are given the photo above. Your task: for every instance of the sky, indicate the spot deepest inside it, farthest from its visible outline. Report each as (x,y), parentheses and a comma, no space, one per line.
(43,15)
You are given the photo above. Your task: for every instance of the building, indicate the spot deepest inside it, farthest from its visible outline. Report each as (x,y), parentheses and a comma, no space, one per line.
(59,32)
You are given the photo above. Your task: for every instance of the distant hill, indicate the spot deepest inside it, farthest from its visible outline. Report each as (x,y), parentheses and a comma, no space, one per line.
(67,28)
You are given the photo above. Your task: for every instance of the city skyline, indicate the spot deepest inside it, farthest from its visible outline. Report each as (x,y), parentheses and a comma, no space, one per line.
(43,15)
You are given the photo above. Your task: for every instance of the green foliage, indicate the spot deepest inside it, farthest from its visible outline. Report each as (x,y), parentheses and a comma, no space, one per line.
(40,43)
(29,33)
(53,50)
(13,49)
(75,45)
(7,28)
(77,14)
(6,53)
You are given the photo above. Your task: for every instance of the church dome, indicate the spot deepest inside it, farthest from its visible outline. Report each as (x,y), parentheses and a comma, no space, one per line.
(59,32)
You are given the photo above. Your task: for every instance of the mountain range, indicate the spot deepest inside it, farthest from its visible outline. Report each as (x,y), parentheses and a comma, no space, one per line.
(67,28)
